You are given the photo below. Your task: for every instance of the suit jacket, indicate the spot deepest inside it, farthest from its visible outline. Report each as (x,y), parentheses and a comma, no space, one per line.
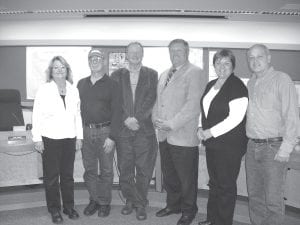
(145,95)
(178,103)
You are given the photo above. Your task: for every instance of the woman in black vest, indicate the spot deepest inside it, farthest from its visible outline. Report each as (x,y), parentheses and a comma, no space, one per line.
(223,109)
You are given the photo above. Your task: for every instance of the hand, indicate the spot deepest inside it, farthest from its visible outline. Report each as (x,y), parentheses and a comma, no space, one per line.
(78,144)
(281,158)
(200,134)
(39,146)
(207,134)
(108,145)
(297,148)
(162,125)
(132,123)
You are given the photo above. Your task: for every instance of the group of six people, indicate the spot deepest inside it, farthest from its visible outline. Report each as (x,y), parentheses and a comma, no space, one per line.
(136,113)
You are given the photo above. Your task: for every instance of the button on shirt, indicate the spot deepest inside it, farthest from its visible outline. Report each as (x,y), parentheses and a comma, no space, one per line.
(100,102)
(273,109)
(51,118)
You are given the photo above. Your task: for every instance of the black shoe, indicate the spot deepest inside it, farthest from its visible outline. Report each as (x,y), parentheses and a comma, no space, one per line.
(127,209)
(56,217)
(72,214)
(206,222)
(167,211)
(186,220)
(104,210)
(91,208)
(141,213)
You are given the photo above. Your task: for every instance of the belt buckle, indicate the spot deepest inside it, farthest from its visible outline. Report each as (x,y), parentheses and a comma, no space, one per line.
(92,126)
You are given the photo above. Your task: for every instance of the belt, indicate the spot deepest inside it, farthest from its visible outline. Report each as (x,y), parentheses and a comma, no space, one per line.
(267,140)
(97,125)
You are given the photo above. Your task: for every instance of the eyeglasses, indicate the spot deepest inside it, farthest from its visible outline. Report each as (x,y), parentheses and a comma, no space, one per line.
(59,68)
(97,58)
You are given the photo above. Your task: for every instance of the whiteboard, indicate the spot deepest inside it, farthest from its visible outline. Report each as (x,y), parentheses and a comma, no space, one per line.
(38,59)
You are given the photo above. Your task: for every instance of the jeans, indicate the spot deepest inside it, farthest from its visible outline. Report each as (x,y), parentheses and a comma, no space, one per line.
(58,166)
(136,160)
(98,165)
(265,183)
(179,167)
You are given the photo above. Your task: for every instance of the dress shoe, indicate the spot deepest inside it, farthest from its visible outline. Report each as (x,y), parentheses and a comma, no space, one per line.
(186,220)
(104,210)
(206,222)
(91,208)
(56,217)
(128,208)
(72,214)
(141,213)
(167,211)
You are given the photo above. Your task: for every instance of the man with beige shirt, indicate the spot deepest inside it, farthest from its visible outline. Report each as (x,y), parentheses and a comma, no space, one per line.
(175,115)
(272,119)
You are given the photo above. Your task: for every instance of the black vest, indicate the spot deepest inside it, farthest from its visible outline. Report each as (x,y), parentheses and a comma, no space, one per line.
(236,138)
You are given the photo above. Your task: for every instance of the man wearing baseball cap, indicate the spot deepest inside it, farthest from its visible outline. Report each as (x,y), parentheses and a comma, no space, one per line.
(101,115)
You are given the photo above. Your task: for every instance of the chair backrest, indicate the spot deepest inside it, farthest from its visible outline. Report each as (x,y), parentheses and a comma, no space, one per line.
(10,109)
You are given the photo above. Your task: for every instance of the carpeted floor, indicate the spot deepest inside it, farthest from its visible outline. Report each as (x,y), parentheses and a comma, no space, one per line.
(39,216)
(26,206)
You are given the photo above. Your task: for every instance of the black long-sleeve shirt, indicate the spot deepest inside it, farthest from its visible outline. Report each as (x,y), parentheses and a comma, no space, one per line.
(101,102)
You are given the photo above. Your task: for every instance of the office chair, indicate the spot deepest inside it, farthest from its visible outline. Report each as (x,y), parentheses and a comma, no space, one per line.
(10,109)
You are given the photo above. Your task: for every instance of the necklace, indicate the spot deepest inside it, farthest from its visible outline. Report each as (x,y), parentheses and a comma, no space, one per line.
(62,90)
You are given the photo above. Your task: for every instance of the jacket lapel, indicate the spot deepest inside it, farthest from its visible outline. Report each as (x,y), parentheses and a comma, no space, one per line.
(178,74)
(140,85)
(127,93)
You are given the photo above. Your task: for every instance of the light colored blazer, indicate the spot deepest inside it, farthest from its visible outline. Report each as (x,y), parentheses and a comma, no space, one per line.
(179,104)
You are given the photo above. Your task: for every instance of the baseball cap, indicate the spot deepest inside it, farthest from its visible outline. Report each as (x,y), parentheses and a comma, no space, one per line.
(96,52)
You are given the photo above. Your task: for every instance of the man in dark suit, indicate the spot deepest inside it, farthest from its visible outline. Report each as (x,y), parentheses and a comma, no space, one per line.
(137,145)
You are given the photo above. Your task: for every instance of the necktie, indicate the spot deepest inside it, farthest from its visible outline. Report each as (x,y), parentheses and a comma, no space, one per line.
(170,74)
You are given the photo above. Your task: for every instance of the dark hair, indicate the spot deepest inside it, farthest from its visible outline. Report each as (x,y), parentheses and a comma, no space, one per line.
(135,43)
(180,41)
(61,59)
(225,53)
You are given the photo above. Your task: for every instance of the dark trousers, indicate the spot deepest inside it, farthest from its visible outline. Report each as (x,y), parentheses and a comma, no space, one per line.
(180,176)
(136,160)
(98,165)
(223,167)
(58,166)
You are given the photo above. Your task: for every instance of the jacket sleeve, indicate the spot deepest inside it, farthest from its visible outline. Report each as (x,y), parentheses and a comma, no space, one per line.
(191,107)
(37,116)
(78,119)
(116,109)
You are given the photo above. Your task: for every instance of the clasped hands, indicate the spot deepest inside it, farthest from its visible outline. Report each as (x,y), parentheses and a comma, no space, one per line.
(132,124)
(203,135)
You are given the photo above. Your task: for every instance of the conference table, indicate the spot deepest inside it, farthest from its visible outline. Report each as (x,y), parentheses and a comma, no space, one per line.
(20,164)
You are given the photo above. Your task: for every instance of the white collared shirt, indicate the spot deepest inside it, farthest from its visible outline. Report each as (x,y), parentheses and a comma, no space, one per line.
(50,118)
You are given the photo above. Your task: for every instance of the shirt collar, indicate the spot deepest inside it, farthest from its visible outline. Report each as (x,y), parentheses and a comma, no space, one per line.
(134,70)
(266,75)
(102,79)
(53,84)
(179,67)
